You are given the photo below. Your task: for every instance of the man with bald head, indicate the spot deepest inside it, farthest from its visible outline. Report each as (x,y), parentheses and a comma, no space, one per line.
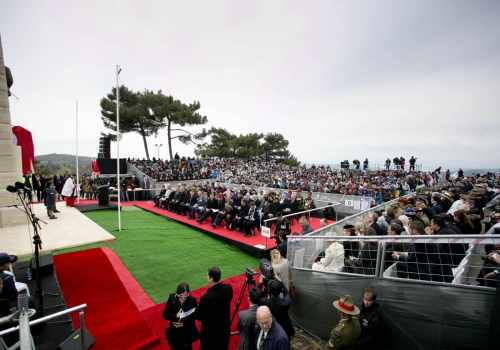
(269,334)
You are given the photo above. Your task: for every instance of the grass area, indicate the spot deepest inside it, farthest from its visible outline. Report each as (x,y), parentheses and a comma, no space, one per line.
(160,252)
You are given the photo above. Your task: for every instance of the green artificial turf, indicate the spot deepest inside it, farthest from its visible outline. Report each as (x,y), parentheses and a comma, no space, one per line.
(160,252)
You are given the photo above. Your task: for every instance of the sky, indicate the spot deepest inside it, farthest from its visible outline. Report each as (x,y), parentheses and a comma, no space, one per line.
(339,79)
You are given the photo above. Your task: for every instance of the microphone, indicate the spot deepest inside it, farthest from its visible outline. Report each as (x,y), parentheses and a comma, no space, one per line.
(21,186)
(11,189)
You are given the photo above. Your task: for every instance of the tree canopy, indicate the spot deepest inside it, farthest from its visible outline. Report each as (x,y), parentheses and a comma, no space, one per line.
(223,144)
(147,112)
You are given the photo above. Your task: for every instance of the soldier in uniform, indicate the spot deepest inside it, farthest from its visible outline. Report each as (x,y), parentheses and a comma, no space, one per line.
(50,199)
(346,333)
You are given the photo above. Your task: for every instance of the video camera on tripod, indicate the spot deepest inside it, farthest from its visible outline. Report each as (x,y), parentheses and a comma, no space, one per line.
(249,276)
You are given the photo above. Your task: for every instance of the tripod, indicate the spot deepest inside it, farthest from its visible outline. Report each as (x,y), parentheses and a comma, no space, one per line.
(249,283)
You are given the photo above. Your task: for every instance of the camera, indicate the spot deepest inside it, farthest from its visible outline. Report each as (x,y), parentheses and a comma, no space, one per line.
(266,269)
(249,274)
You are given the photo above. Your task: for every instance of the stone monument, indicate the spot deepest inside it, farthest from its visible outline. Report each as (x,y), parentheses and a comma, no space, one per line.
(10,158)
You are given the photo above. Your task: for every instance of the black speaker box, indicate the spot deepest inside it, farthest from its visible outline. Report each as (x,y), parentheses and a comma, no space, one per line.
(74,342)
(103,195)
(46,264)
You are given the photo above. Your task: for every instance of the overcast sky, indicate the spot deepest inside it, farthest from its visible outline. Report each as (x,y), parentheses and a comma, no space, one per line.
(340,79)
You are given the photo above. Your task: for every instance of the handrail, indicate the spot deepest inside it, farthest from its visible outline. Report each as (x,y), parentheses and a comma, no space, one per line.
(403,238)
(46,318)
(304,211)
(375,208)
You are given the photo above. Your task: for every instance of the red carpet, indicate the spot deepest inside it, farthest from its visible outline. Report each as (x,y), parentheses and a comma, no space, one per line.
(154,315)
(256,241)
(111,316)
(141,300)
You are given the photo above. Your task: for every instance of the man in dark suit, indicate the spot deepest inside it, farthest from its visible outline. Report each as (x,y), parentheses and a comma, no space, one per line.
(250,219)
(214,313)
(247,321)
(269,334)
(279,302)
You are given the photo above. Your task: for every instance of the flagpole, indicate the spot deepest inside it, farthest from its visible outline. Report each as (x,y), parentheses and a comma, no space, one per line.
(118,183)
(77,168)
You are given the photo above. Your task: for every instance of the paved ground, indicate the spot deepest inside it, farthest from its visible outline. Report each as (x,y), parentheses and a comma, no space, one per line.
(303,341)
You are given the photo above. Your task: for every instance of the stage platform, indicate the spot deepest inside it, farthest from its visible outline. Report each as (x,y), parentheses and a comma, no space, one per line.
(70,229)
(84,207)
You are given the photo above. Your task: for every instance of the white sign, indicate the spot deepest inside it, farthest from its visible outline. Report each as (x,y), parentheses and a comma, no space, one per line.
(349,203)
(357,205)
(365,203)
(265,231)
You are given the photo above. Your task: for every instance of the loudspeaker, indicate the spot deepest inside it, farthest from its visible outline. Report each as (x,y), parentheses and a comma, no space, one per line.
(46,265)
(74,342)
(103,196)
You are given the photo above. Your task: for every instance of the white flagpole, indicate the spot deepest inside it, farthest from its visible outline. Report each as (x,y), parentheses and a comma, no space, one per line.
(77,170)
(118,183)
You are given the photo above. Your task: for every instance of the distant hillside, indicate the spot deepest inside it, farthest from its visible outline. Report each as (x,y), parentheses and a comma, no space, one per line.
(50,164)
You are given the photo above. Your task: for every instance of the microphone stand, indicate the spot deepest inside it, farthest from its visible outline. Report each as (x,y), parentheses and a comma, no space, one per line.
(37,241)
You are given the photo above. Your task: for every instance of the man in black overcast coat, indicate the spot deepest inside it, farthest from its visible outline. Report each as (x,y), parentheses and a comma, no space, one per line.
(247,321)
(214,313)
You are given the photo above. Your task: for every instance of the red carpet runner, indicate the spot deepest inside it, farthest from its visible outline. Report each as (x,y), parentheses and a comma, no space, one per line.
(234,236)
(111,316)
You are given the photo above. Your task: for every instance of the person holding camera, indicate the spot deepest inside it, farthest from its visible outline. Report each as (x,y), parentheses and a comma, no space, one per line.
(179,310)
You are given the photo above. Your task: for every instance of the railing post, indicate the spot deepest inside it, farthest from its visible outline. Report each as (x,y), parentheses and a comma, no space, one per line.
(380,259)
(82,329)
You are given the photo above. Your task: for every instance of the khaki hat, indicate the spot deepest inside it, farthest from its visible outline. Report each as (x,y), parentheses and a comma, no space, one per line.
(346,305)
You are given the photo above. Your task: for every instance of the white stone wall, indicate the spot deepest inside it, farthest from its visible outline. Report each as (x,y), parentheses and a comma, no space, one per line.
(10,155)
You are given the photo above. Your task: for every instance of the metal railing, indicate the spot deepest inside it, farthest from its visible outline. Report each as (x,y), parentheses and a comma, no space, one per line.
(337,227)
(458,260)
(25,338)
(303,212)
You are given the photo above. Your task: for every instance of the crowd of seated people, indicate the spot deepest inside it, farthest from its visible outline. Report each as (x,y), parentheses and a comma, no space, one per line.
(463,206)
(179,169)
(241,209)
(381,185)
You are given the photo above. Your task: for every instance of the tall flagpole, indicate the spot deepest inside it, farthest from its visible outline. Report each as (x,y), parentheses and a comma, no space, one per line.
(77,169)
(118,183)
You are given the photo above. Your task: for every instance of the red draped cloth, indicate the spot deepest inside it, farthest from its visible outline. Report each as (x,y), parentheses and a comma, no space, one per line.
(95,167)
(25,141)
